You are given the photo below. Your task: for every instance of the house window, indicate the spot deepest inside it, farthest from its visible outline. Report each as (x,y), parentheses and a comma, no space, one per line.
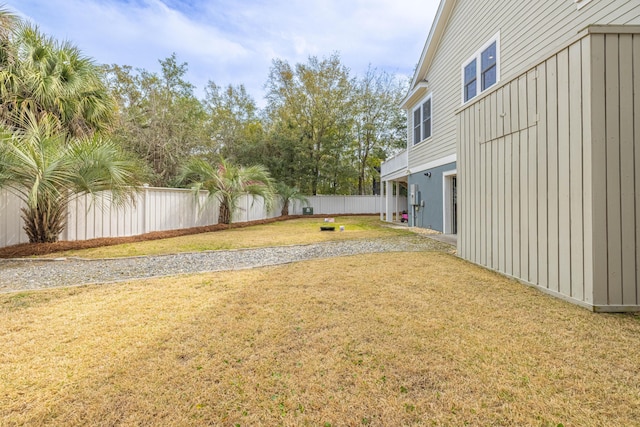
(426,119)
(422,121)
(470,80)
(482,67)
(417,114)
(489,65)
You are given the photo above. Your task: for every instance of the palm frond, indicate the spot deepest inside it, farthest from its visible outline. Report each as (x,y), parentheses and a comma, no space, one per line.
(227,182)
(56,78)
(46,169)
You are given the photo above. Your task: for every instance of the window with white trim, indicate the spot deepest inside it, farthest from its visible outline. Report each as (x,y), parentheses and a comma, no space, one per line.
(422,120)
(481,71)
(470,80)
(488,66)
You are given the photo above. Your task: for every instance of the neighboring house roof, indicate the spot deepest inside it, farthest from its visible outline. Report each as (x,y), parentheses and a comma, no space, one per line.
(419,85)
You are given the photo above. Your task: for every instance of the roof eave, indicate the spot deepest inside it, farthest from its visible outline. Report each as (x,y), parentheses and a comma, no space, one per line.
(416,93)
(437,29)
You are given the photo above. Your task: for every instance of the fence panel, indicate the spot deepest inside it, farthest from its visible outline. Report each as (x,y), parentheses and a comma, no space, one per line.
(339,205)
(11,232)
(170,209)
(161,209)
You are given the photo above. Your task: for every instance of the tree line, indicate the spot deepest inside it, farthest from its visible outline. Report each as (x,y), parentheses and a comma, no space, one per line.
(322,130)
(69,127)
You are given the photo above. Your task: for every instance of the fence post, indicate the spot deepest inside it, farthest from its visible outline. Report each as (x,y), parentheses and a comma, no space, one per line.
(145,209)
(64,234)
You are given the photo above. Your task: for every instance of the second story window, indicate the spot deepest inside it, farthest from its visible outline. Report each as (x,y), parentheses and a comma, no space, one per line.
(481,71)
(417,120)
(470,80)
(489,61)
(426,119)
(422,120)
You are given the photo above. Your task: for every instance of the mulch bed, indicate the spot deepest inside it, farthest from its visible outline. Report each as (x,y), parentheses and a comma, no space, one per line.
(34,249)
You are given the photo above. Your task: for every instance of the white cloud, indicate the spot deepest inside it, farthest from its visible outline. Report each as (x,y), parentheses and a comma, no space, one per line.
(234,42)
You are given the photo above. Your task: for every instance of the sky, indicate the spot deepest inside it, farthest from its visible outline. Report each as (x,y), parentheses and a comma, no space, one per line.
(234,42)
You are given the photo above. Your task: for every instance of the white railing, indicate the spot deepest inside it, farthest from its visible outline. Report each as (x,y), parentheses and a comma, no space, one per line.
(399,162)
(160,209)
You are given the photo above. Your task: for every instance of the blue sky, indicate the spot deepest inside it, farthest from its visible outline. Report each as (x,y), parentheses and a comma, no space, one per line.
(234,42)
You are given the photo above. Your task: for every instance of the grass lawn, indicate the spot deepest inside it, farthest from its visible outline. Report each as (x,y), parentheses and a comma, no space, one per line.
(291,232)
(327,342)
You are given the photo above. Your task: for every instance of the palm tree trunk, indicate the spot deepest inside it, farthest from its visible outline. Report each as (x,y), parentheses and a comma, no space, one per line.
(285,208)
(224,216)
(44,223)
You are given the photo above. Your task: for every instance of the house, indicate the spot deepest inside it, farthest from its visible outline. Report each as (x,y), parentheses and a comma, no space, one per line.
(524,140)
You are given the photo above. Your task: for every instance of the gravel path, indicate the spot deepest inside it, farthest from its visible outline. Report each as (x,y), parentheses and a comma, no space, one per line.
(17,275)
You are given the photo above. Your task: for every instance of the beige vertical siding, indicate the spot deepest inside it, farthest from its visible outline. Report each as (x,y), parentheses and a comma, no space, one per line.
(576,178)
(627,168)
(551,115)
(511,151)
(559,192)
(543,178)
(636,142)
(564,214)
(599,171)
(616,141)
(587,171)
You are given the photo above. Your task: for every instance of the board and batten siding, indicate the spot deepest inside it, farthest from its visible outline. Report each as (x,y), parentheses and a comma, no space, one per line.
(528,30)
(615,127)
(549,173)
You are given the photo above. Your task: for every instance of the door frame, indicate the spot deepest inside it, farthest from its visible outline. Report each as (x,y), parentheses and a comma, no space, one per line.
(447,201)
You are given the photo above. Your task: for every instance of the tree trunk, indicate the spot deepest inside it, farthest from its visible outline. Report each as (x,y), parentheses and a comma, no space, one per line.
(224,216)
(362,172)
(314,182)
(285,208)
(44,223)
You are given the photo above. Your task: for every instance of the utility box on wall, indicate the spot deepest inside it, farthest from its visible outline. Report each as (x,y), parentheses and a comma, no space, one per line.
(414,195)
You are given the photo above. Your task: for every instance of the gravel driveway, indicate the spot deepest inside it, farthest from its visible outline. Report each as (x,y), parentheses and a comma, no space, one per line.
(18,275)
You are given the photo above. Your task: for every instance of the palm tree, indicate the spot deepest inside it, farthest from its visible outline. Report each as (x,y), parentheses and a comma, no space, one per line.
(226,182)
(47,168)
(287,195)
(41,76)
(8,22)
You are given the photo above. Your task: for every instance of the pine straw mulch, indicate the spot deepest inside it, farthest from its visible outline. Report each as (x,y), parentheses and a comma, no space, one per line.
(24,250)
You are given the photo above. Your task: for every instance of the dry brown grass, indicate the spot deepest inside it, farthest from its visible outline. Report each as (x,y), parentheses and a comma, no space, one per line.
(294,231)
(442,343)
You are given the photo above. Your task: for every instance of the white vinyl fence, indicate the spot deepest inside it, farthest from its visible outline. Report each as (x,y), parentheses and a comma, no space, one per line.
(340,205)
(160,209)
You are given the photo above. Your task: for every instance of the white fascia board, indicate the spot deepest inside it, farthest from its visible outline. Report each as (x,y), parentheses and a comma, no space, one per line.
(447,226)
(403,173)
(434,26)
(434,164)
(581,3)
(417,93)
